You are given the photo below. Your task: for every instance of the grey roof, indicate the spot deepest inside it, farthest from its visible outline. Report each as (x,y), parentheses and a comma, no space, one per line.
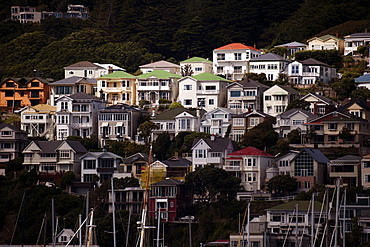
(218,144)
(294,110)
(137,157)
(159,64)
(83,64)
(360,102)
(168,182)
(83,96)
(292,44)
(358,35)
(323,98)
(254,112)
(316,154)
(170,114)
(121,107)
(248,83)
(52,146)
(363,78)
(289,89)
(77,146)
(73,80)
(177,162)
(302,206)
(3,125)
(269,57)
(349,158)
(100,154)
(311,61)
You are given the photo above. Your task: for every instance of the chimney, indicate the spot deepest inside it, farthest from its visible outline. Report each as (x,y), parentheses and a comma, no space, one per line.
(254,46)
(153,113)
(337,35)
(249,109)
(198,113)
(110,69)
(176,155)
(213,137)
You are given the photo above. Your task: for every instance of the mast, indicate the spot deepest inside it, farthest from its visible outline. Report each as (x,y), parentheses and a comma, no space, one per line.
(337,215)
(145,203)
(113,214)
(90,226)
(312,219)
(248,225)
(53,220)
(344,217)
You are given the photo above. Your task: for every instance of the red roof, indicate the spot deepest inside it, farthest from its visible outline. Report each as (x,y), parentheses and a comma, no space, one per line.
(236,46)
(251,151)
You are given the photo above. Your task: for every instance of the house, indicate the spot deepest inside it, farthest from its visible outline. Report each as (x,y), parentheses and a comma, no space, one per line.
(100,165)
(249,164)
(72,85)
(365,172)
(270,64)
(304,74)
(206,91)
(293,47)
(320,105)
(245,95)
(156,85)
(64,236)
(211,151)
(160,65)
(283,225)
(327,129)
(129,199)
(244,122)
(357,107)
(198,65)
(363,81)
(216,122)
(170,199)
(277,98)
(25,91)
(257,229)
(353,41)
(84,69)
(12,142)
(77,115)
(232,60)
(118,122)
(53,158)
(309,167)
(347,168)
(284,163)
(76,11)
(25,14)
(117,87)
(176,120)
(326,42)
(39,121)
(135,163)
(291,120)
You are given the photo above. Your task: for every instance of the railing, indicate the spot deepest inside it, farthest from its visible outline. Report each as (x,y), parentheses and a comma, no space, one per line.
(81,125)
(231,168)
(113,89)
(207,91)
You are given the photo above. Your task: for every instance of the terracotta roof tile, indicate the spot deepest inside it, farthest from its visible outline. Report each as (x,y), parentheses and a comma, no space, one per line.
(236,46)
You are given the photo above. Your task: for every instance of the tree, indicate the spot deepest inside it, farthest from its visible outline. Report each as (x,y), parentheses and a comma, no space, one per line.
(186,70)
(175,104)
(261,136)
(281,184)
(345,134)
(298,104)
(294,136)
(311,135)
(207,182)
(67,179)
(282,79)
(346,85)
(14,166)
(162,145)
(88,143)
(145,130)
(362,93)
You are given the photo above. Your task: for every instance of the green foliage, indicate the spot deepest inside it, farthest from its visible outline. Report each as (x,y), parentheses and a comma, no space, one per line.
(122,183)
(91,143)
(261,136)
(14,165)
(345,86)
(161,146)
(282,79)
(345,134)
(299,104)
(362,93)
(261,78)
(331,57)
(363,50)
(282,51)
(208,181)
(294,137)
(175,104)
(125,148)
(145,130)
(282,184)
(281,148)
(183,141)
(68,178)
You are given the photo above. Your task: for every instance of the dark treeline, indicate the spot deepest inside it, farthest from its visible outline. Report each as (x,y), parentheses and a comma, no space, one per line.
(133,32)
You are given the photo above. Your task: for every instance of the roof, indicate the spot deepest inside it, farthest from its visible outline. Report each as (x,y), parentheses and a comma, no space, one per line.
(363,78)
(218,144)
(292,44)
(172,113)
(288,89)
(168,182)
(336,116)
(358,35)
(99,154)
(121,107)
(250,151)
(26,80)
(137,157)
(177,162)
(302,206)
(160,74)
(254,112)
(348,158)
(325,37)
(196,60)
(269,57)
(248,83)
(72,81)
(107,66)
(3,125)
(362,103)
(236,46)
(311,61)
(316,154)
(83,64)
(159,64)
(52,146)
(80,95)
(322,98)
(206,76)
(118,74)
(295,110)
(44,108)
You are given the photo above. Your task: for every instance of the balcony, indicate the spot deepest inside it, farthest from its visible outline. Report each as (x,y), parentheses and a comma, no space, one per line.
(231,168)
(311,74)
(207,91)
(112,90)
(81,125)
(214,160)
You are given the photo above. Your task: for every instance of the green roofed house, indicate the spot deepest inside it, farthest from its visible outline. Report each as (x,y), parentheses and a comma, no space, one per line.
(157,84)
(198,65)
(117,87)
(326,42)
(206,91)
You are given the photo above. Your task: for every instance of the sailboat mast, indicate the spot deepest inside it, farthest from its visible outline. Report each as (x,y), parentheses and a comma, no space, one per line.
(89,237)
(146,198)
(113,214)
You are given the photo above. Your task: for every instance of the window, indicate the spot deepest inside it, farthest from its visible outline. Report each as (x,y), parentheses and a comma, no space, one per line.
(48,167)
(35,94)
(332,126)
(64,154)
(201,102)
(120,130)
(47,155)
(272,66)
(198,69)
(367,178)
(283,163)
(6,133)
(187,102)
(63,105)
(106,163)
(280,97)
(238,69)
(366,164)
(200,153)
(63,119)
(71,72)
(35,84)
(9,93)
(211,101)
(221,56)
(279,108)
(17,103)
(238,56)
(307,185)
(7,145)
(88,178)
(103,84)
(10,84)
(249,93)
(89,164)
(251,162)
(254,121)
(235,93)
(63,90)
(297,122)
(188,87)
(210,88)
(268,97)
(295,69)
(220,70)
(332,138)
(238,121)
(184,124)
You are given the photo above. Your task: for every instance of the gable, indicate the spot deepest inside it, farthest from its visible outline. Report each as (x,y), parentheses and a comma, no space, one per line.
(65,146)
(32,147)
(158,164)
(201,144)
(355,106)
(184,114)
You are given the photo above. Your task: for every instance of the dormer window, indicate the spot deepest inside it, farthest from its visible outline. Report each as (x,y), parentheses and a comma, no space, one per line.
(64,154)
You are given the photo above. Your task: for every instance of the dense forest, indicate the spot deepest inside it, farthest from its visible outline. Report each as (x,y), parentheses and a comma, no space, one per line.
(133,32)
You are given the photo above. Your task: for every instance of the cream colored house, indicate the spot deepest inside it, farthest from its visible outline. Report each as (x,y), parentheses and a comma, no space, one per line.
(347,168)
(277,98)
(365,171)
(198,65)
(326,42)
(161,65)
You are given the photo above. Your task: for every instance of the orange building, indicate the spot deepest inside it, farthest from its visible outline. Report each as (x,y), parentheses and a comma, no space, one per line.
(20,92)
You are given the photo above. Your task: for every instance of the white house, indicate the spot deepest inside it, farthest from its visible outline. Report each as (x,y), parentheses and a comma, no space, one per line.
(160,65)
(198,65)
(232,60)
(363,81)
(77,115)
(320,105)
(277,98)
(84,69)
(206,91)
(353,41)
(216,122)
(270,64)
(284,163)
